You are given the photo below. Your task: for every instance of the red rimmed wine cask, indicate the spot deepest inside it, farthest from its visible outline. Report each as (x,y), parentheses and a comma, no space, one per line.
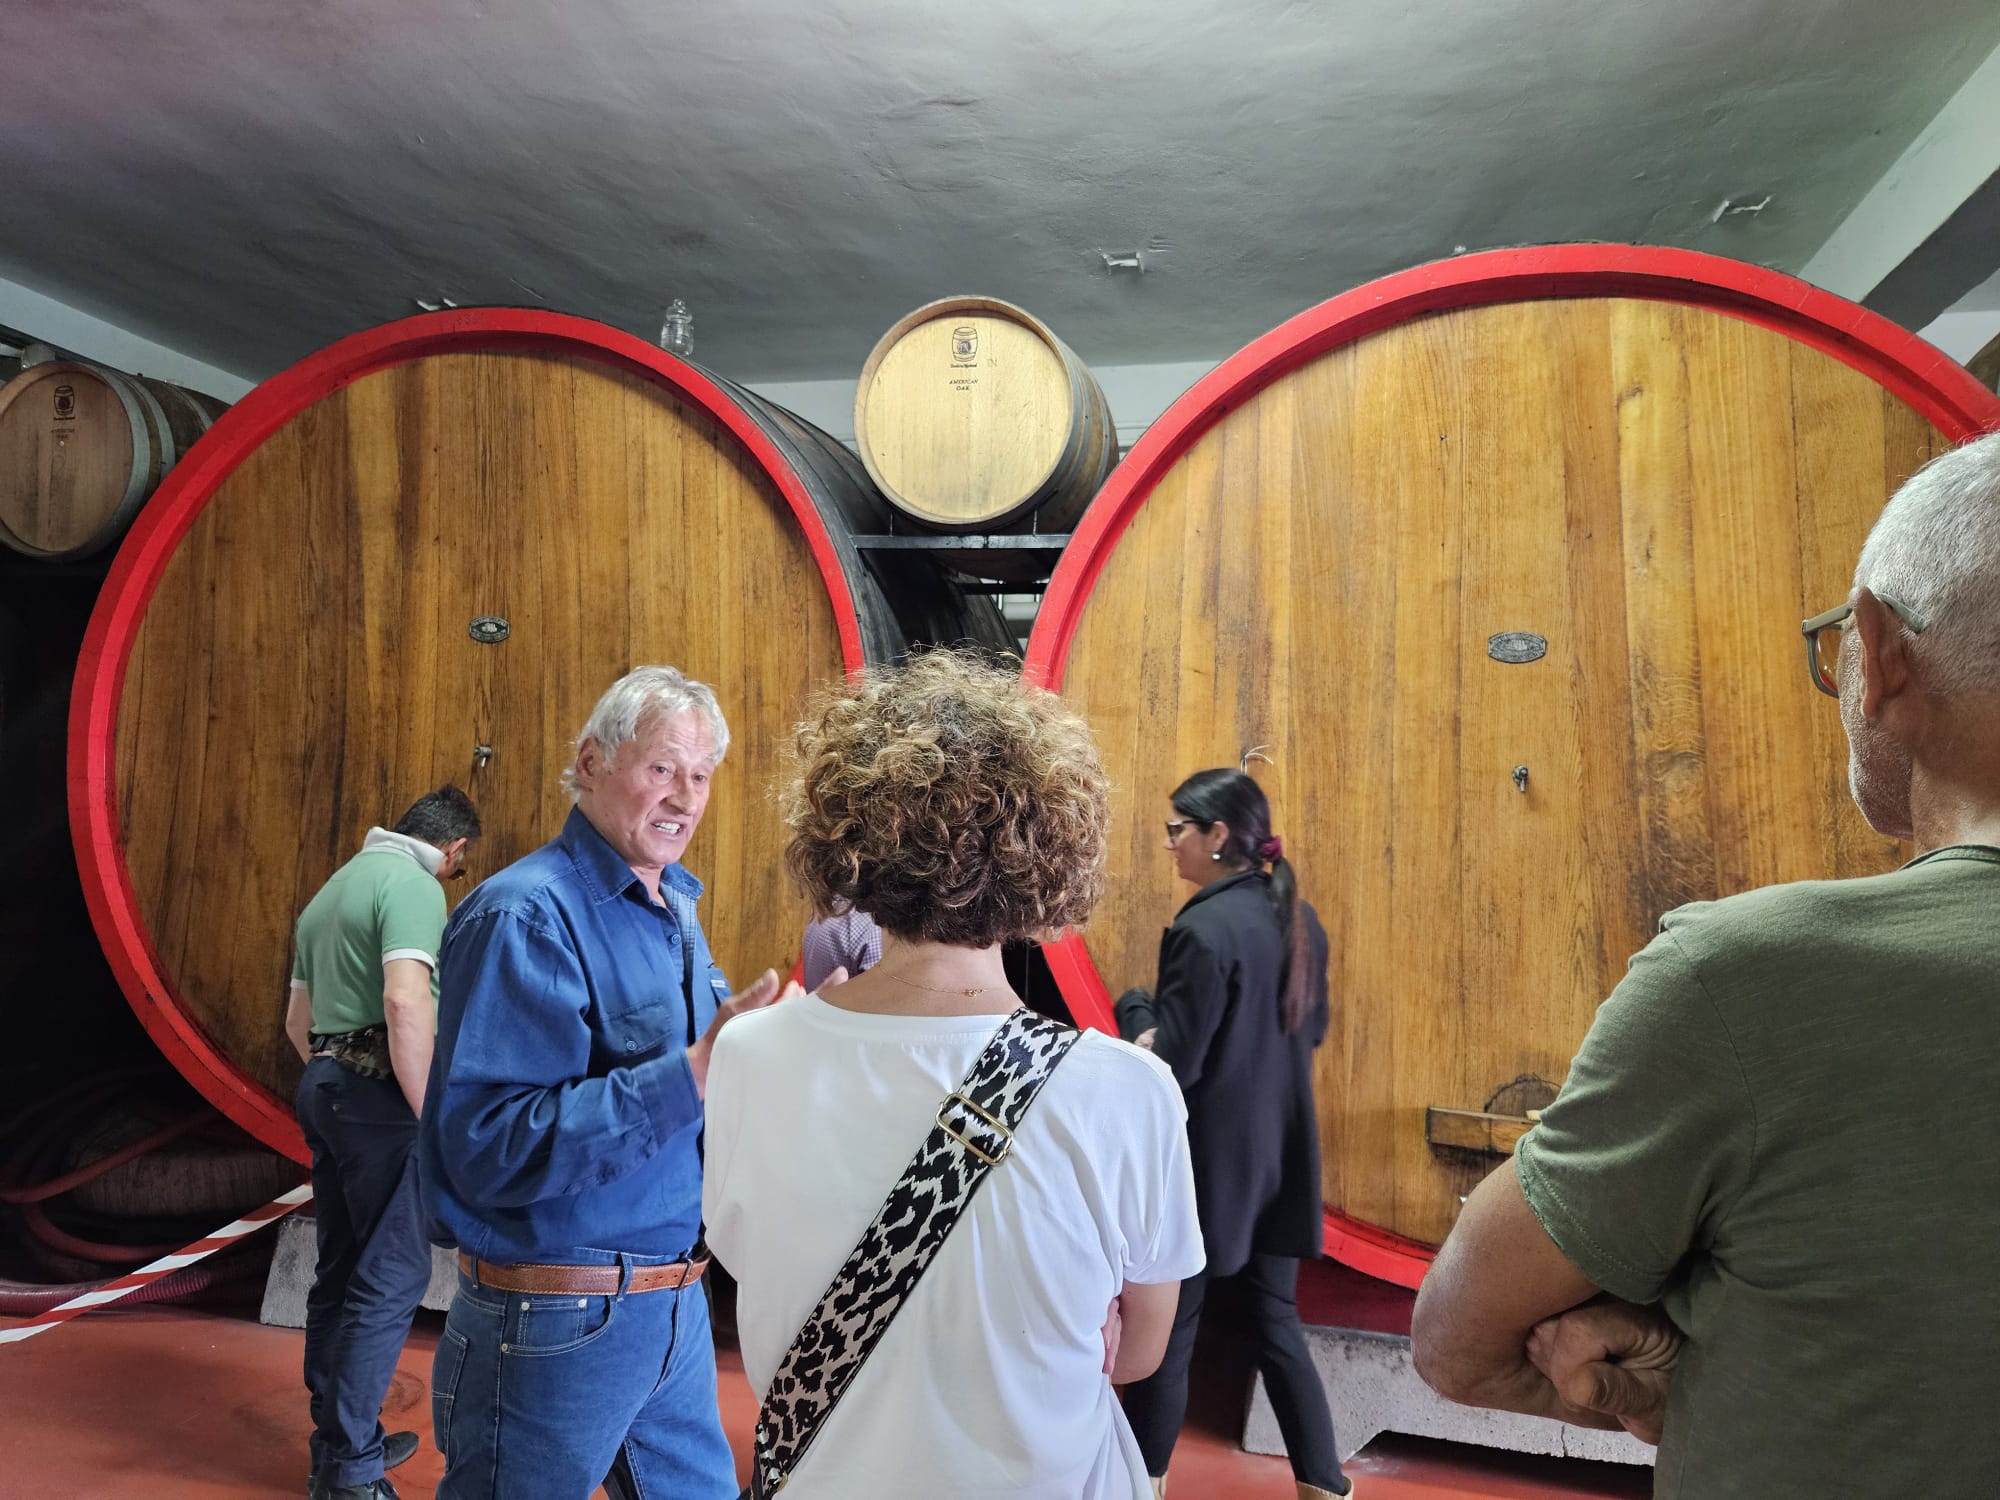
(418,557)
(1501,561)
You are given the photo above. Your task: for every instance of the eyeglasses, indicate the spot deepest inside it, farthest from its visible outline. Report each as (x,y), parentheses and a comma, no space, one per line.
(1823,640)
(1175,825)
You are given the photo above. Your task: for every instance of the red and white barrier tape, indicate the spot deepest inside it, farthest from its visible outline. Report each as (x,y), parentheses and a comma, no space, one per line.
(166,1265)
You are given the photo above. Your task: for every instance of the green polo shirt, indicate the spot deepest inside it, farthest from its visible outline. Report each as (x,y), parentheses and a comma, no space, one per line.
(1782,1126)
(382,904)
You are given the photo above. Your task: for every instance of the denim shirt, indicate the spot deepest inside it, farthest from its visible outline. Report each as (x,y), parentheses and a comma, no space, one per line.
(561,1122)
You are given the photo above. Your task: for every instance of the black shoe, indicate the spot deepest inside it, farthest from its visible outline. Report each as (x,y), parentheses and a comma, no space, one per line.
(377,1489)
(396,1449)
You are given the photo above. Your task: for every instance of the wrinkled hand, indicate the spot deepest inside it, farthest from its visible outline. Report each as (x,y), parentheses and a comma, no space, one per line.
(1611,1357)
(1114,1325)
(759,995)
(1145,1038)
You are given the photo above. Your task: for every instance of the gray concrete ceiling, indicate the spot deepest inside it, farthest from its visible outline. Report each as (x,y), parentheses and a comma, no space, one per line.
(247,181)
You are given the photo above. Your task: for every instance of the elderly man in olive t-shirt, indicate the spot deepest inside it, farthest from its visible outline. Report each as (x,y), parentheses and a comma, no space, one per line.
(1777,1155)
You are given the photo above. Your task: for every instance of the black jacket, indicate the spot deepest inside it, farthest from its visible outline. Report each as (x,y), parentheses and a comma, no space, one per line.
(1251,1125)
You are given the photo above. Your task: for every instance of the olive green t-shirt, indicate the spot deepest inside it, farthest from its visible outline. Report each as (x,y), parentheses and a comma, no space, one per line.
(381,904)
(1785,1126)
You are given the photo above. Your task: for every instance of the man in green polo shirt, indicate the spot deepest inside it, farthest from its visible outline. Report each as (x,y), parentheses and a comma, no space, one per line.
(1777,1156)
(363,1013)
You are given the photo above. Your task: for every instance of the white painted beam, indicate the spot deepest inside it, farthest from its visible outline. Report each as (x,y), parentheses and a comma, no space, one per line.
(58,323)
(1925,217)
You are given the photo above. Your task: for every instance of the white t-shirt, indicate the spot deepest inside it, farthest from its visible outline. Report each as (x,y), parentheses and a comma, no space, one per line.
(989,1382)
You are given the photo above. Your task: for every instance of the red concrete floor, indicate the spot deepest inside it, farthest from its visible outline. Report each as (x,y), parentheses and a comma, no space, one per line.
(165,1403)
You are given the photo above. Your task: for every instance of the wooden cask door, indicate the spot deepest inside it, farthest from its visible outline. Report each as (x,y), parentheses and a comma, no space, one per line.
(1502,562)
(420,557)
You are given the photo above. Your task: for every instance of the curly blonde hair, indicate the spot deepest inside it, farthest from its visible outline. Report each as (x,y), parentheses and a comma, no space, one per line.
(948,801)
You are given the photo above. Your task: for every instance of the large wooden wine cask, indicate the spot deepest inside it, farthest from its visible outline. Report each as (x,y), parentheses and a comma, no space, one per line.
(1502,562)
(419,557)
(973,417)
(81,447)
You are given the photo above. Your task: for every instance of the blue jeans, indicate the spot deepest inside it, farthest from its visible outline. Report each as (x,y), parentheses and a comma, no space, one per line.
(541,1398)
(374,1261)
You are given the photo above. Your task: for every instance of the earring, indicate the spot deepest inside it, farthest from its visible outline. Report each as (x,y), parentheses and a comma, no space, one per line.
(1217,856)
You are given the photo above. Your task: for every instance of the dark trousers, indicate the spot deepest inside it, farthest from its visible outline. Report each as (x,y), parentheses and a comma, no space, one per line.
(374,1261)
(1155,1406)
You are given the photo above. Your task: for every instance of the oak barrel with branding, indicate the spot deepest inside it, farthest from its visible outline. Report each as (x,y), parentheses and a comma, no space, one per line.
(81,447)
(973,417)
(418,557)
(1502,562)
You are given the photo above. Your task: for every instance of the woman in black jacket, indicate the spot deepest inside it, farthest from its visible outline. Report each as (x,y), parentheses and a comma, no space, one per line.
(1241,1003)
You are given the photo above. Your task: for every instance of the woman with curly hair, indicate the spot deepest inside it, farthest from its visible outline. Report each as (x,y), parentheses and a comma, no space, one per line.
(960,810)
(1241,1005)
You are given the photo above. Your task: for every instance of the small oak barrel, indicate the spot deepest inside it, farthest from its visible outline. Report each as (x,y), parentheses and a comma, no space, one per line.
(81,447)
(973,417)
(1501,561)
(1985,365)
(418,557)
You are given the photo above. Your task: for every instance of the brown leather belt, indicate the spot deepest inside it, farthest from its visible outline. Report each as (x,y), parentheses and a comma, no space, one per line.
(581,1281)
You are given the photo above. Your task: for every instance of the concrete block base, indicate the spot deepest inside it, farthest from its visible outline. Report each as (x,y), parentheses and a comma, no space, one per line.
(1372,1387)
(296,1258)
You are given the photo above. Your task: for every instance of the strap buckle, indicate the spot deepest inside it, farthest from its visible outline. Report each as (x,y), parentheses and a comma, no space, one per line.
(985,1117)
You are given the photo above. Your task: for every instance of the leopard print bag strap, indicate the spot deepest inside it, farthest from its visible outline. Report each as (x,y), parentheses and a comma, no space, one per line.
(973,1134)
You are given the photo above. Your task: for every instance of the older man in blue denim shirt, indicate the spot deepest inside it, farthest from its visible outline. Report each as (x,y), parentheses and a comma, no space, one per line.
(561,1149)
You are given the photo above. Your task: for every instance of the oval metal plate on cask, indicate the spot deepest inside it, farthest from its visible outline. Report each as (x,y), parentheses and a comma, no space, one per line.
(1517,646)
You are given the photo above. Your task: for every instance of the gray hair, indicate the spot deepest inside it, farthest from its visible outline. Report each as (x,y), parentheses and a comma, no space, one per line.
(1936,549)
(643,694)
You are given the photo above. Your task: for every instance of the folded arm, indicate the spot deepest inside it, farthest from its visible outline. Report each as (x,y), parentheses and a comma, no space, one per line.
(1497,1277)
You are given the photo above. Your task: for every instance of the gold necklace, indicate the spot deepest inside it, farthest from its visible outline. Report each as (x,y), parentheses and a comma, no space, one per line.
(937,990)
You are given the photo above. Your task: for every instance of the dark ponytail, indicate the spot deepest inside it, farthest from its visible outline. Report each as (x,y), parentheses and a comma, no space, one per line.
(1231,797)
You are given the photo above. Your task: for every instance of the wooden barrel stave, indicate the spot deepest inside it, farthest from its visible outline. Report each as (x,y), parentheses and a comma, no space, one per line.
(1661,484)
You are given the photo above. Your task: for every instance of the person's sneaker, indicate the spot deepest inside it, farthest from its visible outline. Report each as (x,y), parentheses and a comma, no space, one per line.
(396,1449)
(378,1489)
